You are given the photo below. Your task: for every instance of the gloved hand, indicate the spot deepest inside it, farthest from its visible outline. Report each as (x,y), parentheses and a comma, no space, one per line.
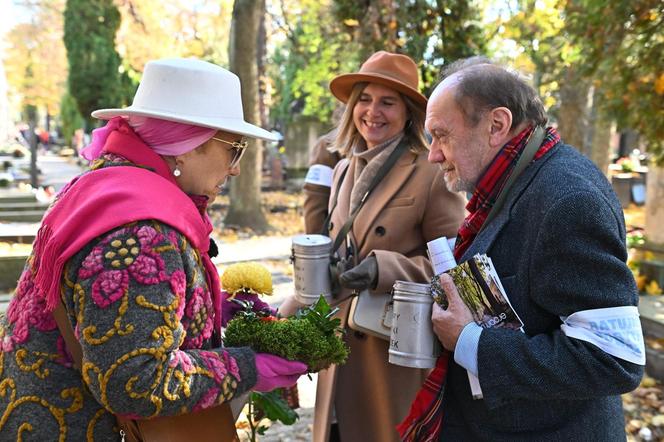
(229,308)
(275,372)
(362,276)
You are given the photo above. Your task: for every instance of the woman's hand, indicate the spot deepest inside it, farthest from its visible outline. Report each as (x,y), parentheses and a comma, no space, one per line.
(275,372)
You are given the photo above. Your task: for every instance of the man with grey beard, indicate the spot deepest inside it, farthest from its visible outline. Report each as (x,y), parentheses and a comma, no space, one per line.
(555,231)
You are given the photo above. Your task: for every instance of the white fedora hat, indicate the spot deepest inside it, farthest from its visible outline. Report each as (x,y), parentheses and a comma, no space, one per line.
(190,91)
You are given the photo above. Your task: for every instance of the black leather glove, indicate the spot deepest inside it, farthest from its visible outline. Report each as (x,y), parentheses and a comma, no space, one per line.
(362,276)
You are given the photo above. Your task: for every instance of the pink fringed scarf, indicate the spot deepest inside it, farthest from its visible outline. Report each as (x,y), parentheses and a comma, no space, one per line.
(103,199)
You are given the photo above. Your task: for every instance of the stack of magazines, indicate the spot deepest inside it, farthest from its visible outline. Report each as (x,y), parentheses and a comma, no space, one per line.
(480,289)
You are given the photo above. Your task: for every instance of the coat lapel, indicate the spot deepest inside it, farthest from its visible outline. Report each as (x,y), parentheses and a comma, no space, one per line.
(382,194)
(488,235)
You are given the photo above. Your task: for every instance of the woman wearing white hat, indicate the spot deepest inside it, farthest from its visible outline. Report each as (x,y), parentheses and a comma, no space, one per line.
(118,311)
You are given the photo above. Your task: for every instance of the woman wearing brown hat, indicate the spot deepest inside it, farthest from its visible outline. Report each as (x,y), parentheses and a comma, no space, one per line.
(409,206)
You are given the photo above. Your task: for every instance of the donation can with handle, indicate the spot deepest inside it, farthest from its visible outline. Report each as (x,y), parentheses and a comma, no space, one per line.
(412,341)
(311,272)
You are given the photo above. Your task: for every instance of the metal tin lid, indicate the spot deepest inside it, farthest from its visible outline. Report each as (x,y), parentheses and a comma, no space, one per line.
(312,244)
(415,288)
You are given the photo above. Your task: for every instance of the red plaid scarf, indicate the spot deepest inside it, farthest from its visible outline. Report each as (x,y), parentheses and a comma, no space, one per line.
(491,184)
(424,421)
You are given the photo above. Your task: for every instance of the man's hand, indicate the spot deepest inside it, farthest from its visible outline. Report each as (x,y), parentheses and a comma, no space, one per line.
(447,324)
(363,276)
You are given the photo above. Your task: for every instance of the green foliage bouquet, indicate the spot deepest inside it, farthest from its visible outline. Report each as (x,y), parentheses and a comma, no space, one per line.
(312,336)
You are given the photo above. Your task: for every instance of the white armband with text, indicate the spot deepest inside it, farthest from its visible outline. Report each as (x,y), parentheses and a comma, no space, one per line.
(319,174)
(616,330)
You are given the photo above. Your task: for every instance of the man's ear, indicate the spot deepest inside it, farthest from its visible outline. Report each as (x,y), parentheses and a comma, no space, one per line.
(501,123)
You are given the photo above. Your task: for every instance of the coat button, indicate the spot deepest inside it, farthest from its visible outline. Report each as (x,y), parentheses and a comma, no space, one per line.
(380,231)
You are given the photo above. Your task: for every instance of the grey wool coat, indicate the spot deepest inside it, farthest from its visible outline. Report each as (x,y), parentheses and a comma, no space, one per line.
(558,245)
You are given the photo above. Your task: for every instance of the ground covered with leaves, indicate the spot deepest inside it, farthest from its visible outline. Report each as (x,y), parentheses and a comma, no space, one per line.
(282,209)
(644,411)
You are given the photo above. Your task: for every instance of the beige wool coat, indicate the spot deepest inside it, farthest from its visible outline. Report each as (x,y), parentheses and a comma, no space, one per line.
(408,208)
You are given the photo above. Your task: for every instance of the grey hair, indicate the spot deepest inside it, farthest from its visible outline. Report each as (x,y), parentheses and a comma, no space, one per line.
(483,85)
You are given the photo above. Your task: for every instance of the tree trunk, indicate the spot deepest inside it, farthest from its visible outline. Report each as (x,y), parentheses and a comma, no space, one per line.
(655,205)
(601,129)
(5,119)
(245,190)
(572,115)
(261,56)
(378,28)
(31,114)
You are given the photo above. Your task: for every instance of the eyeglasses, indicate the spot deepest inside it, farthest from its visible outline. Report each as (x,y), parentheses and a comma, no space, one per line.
(238,150)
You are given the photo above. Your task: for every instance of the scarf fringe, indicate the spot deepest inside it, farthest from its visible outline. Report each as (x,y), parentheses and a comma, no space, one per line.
(424,419)
(46,263)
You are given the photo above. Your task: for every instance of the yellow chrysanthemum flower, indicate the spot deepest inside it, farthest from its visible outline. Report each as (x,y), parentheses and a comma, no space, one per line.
(247,276)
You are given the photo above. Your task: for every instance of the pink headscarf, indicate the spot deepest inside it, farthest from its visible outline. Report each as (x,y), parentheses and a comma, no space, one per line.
(164,137)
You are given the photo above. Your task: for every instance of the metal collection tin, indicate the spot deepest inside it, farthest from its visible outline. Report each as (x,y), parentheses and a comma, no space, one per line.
(311,261)
(412,340)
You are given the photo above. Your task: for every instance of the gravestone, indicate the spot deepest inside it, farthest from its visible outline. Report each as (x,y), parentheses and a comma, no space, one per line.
(300,136)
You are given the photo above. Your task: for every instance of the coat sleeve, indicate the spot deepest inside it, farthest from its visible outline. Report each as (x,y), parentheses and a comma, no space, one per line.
(442,216)
(316,196)
(144,319)
(316,199)
(577,264)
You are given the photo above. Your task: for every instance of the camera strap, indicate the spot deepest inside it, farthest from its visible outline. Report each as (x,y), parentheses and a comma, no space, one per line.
(345,229)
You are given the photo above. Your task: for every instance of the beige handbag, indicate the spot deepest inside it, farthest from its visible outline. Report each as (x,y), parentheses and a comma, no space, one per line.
(371,314)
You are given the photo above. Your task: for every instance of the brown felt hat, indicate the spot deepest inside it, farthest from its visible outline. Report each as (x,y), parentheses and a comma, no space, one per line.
(396,71)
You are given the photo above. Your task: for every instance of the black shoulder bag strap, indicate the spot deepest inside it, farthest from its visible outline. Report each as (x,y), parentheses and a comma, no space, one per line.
(524,160)
(343,232)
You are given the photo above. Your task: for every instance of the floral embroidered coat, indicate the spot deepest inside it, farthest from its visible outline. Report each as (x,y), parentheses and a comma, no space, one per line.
(146,353)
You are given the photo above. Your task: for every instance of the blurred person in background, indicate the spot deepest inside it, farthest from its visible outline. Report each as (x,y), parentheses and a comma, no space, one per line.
(317,184)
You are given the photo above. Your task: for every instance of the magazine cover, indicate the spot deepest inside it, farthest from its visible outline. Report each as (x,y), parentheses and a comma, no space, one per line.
(480,289)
